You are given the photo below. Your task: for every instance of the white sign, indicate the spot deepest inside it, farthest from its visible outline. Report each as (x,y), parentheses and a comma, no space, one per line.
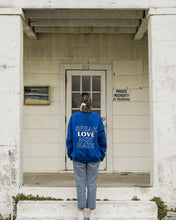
(121,95)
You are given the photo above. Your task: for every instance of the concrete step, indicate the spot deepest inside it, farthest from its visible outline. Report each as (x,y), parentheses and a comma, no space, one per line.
(67,210)
(87,218)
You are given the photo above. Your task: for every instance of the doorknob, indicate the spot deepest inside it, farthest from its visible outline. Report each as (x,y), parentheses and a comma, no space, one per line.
(103,118)
(104,121)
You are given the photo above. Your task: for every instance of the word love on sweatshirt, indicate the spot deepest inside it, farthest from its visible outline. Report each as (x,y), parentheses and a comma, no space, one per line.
(86,131)
(85,134)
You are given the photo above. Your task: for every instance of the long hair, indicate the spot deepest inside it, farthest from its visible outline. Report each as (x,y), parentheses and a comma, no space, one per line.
(85,98)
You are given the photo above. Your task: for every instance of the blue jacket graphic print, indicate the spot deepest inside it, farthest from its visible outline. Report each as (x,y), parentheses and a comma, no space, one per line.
(86,139)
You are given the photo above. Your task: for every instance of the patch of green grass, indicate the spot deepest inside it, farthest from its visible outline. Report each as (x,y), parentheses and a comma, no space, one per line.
(9,218)
(21,197)
(162,208)
(172,210)
(135,198)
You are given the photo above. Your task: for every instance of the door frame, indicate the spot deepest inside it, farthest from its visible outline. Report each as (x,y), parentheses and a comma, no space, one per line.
(70,73)
(62,101)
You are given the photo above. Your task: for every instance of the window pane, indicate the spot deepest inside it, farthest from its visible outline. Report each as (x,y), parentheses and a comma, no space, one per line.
(75,97)
(96,100)
(96,83)
(85,83)
(98,111)
(75,83)
(73,111)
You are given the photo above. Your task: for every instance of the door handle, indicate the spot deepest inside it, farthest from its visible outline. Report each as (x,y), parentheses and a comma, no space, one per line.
(103,118)
(104,121)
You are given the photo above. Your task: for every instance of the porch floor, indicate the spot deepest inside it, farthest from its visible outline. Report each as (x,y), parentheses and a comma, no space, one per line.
(124,179)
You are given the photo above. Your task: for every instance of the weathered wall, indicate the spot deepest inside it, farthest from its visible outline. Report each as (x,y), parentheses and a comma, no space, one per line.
(11,90)
(88,4)
(162,50)
(131,127)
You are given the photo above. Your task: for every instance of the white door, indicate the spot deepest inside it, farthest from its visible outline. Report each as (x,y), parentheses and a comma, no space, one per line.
(90,81)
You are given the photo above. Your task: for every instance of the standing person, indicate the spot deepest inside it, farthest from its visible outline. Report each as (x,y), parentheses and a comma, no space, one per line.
(86,147)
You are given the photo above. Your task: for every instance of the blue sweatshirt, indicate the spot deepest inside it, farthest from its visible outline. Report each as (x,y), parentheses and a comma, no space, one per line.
(86,140)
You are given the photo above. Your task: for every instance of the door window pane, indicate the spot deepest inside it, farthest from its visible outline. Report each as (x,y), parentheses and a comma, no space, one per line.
(96,83)
(96,100)
(98,111)
(75,97)
(85,83)
(75,83)
(73,111)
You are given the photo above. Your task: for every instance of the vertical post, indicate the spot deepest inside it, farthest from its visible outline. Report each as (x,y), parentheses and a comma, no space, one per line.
(162,78)
(11,104)
(62,161)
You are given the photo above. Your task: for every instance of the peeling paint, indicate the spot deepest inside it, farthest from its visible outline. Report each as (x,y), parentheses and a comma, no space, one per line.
(6,66)
(5,187)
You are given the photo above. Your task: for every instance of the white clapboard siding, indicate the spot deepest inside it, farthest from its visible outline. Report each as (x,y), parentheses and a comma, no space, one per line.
(108,53)
(40,135)
(145,80)
(123,163)
(81,52)
(127,136)
(49,52)
(62,40)
(42,164)
(40,121)
(131,122)
(131,82)
(130,108)
(41,66)
(145,67)
(131,126)
(131,119)
(52,109)
(127,67)
(48,149)
(131,150)
(41,79)
(99,40)
(139,94)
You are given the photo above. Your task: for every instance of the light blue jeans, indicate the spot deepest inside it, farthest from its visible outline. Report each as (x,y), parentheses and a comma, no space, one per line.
(86,172)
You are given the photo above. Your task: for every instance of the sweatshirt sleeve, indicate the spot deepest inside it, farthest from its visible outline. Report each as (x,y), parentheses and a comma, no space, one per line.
(102,140)
(69,141)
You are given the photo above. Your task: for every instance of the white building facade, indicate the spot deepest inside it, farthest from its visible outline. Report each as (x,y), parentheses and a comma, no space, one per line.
(107,48)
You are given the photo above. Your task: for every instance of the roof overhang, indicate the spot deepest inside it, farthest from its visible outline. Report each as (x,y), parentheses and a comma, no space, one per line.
(85,20)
